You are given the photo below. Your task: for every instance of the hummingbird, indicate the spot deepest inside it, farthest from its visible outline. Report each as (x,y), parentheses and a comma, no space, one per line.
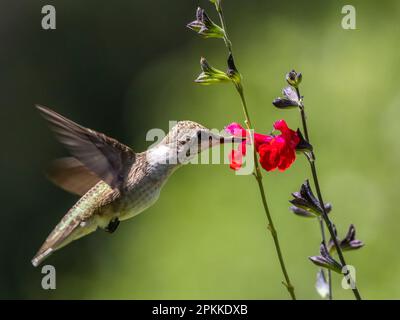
(114,182)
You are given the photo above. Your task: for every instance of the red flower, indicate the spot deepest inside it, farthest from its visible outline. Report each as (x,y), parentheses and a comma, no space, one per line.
(236,159)
(236,156)
(275,151)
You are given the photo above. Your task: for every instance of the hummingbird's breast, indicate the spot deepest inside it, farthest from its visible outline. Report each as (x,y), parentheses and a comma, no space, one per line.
(146,180)
(138,199)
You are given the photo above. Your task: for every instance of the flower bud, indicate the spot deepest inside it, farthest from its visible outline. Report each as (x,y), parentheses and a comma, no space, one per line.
(282,103)
(290,99)
(305,204)
(325,260)
(303,145)
(349,242)
(205,27)
(210,75)
(302,212)
(294,78)
(232,72)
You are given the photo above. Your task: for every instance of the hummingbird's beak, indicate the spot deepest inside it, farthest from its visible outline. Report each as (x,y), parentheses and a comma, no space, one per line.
(217,139)
(231,139)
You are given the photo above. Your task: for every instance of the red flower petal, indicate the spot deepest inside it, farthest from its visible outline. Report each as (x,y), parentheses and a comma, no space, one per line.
(281,125)
(236,129)
(287,157)
(278,153)
(269,156)
(235,159)
(261,139)
(289,135)
(274,151)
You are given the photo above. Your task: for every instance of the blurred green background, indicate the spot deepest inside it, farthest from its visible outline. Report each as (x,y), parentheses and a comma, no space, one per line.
(124,67)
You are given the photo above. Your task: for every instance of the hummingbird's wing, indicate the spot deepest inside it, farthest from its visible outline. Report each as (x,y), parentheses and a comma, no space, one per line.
(71,175)
(109,159)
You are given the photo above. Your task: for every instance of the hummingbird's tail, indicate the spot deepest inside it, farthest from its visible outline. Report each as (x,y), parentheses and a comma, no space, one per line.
(39,257)
(78,222)
(69,229)
(62,235)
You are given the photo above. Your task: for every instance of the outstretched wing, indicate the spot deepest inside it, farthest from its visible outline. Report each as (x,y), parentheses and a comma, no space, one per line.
(109,159)
(71,175)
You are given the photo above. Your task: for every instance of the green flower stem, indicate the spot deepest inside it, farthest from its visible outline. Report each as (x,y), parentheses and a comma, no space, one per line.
(257,171)
(325,217)
(223,24)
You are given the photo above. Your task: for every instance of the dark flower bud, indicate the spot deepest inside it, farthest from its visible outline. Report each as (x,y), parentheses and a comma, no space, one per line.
(306,204)
(204,26)
(325,260)
(303,145)
(282,103)
(290,94)
(210,75)
(289,100)
(349,242)
(294,78)
(302,212)
(232,72)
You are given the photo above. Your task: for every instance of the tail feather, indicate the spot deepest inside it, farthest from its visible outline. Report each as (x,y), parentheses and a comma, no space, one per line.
(58,238)
(77,223)
(39,257)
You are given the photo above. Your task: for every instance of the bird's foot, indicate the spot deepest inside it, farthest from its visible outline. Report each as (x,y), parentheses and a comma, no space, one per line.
(113,225)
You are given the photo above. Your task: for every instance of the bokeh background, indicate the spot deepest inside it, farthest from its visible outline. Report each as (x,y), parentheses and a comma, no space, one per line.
(124,67)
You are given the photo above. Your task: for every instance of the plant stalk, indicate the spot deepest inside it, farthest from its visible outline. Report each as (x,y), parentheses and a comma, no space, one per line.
(325,217)
(321,222)
(257,171)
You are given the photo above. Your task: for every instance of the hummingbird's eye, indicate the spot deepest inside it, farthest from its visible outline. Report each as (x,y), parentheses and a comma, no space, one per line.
(183,142)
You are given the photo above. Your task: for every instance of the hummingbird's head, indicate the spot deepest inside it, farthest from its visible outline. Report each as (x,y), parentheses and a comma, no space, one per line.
(190,138)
